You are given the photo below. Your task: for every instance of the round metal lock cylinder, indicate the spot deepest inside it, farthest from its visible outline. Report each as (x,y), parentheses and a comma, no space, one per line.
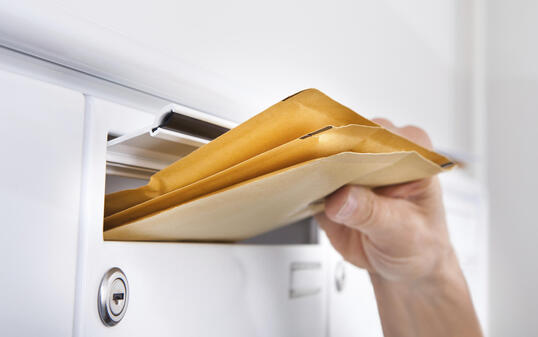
(113,297)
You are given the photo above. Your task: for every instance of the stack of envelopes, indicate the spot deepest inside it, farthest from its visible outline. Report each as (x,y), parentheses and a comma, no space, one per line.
(270,171)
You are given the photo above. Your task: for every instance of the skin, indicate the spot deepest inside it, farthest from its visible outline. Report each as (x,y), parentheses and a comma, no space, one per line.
(399,235)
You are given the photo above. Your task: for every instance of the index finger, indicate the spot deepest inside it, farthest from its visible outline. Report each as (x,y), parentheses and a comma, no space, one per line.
(410,132)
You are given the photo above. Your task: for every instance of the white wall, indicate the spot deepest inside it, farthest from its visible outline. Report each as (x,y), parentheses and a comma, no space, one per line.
(512,107)
(403,60)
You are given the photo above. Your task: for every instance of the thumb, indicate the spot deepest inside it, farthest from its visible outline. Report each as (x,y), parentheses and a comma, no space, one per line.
(360,208)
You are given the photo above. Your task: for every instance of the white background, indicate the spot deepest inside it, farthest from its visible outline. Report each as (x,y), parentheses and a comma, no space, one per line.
(512,105)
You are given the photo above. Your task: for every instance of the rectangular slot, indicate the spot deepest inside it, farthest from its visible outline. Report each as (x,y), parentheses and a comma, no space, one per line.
(133,158)
(188,125)
(155,147)
(151,149)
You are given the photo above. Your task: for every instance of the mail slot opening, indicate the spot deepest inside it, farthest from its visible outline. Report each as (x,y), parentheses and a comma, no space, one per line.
(133,158)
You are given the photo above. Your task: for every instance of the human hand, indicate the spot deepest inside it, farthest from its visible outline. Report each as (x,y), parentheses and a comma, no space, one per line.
(397,232)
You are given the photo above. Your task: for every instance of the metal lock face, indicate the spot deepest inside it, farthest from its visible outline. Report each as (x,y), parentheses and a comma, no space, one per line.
(113,297)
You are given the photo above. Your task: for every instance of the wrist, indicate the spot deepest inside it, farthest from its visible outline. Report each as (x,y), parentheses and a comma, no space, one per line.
(438,304)
(446,274)
(445,268)
(444,284)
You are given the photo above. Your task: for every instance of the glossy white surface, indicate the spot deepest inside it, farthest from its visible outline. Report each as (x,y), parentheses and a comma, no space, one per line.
(48,72)
(63,34)
(41,145)
(352,310)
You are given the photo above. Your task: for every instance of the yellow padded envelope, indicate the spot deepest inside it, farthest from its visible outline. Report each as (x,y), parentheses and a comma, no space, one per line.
(269,171)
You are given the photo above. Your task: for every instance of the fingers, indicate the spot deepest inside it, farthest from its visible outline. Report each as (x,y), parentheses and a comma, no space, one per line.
(360,208)
(347,241)
(410,132)
(406,190)
(417,135)
(336,232)
(385,123)
(424,193)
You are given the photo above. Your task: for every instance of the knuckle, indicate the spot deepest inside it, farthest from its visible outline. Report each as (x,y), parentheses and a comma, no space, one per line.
(385,123)
(413,129)
(417,134)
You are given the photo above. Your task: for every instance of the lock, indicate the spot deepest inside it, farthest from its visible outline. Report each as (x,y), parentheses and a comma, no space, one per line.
(113,297)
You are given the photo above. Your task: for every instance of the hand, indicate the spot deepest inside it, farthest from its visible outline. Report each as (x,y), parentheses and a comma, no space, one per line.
(399,234)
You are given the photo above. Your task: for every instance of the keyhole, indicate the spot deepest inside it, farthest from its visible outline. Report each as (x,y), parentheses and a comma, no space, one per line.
(117,297)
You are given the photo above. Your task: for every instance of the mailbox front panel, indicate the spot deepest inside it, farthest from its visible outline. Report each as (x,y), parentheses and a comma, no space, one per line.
(190,289)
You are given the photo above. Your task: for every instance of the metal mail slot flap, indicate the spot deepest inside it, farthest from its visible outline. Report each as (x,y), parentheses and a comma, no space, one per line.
(174,135)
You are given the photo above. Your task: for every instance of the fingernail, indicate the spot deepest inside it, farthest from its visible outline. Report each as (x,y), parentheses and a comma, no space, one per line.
(347,208)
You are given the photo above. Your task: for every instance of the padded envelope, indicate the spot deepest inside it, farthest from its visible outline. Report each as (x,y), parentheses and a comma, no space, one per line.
(273,182)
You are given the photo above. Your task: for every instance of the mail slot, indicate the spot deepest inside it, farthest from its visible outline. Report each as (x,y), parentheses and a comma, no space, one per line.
(132,158)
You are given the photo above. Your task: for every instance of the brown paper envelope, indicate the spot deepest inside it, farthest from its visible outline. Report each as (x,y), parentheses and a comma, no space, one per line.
(297,115)
(274,200)
(325,142)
